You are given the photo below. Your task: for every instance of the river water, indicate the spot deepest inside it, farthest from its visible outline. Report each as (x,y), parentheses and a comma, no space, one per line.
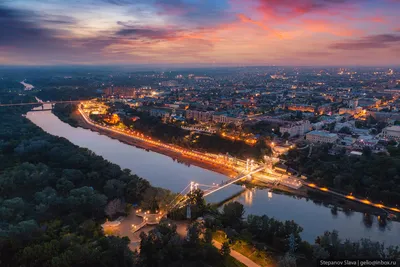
(28,86)
(165,172)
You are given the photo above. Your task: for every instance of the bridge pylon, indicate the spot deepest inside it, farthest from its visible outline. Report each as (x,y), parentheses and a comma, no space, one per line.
(188,212)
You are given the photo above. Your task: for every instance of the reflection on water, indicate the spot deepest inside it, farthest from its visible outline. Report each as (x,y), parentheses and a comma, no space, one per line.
(314,216)
(368,220)
(334,211)
(317,217)
(248,197)
(382,222)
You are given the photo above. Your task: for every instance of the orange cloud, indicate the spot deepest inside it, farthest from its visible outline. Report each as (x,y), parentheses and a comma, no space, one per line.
(324,26)
(376,19)
(243,18)
(283,10)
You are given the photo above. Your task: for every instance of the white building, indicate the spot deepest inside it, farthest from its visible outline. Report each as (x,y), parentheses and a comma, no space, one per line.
(297,128)
(203,116)
(353,103)
(392,132)
(318,125)
(340,125)
(321,137)
(225,118)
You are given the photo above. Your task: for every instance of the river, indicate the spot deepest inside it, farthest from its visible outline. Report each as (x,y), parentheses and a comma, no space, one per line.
(165,172)
(28,86)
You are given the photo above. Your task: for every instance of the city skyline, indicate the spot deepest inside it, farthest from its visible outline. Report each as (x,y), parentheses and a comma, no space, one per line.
(199,33)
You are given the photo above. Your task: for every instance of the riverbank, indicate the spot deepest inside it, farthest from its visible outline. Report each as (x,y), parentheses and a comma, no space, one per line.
(65,114)
(314,215)
(183,158)
(326,199)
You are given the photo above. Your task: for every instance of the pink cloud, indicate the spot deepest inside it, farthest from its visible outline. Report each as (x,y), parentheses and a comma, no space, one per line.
(283,10)
(324,26)
(245,19)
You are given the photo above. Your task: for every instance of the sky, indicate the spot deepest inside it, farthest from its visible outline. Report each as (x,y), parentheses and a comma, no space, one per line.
(200,32)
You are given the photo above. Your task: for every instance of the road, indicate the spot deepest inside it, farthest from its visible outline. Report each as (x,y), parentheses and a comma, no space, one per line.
(216,161)
(351,197)
(182,231)
(36,103)
(149,140)
(243,259)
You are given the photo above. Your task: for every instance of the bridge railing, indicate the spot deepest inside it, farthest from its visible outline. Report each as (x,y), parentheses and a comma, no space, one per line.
(139,226)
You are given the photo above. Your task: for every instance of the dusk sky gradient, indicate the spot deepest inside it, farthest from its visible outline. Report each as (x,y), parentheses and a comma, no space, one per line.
(200,32)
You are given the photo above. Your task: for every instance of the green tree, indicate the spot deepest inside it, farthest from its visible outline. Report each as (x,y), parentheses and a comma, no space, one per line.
(197,203)
(114,207)
(225,250)
(320,253)
(208,236)
(114,189)
(232,214)
(87,200)
(64,186)
(287,260)
(194,231)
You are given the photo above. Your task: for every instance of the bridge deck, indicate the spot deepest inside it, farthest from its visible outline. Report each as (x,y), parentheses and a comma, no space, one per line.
(41,103)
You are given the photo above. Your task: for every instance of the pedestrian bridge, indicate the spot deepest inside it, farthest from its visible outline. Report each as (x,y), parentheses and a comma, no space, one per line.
(182,198)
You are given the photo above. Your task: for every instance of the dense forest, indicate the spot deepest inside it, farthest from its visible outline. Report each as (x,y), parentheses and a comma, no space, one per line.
(376,176)
(64,112)
(55,195)
(270,242)
(67,93)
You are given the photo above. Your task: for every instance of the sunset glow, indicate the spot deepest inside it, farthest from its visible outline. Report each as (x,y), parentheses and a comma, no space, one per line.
(195,32)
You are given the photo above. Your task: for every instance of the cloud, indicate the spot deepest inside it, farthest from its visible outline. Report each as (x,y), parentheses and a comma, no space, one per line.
(325,26)
(287,18)
(188,13)
(245,19)
(154,31)
(314,54)
(288,9)
(133,30)
(23,35)
(18,29)
(59,20)
(369,42)
(147,33)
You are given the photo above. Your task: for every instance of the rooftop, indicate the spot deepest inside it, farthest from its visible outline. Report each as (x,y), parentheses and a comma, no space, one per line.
(322,133)
(395,128)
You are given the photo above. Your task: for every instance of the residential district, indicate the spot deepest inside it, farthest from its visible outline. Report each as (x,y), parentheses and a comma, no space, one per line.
(329,136)
(350,109)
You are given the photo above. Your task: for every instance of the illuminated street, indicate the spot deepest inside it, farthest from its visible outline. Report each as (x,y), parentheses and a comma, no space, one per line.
(247,168)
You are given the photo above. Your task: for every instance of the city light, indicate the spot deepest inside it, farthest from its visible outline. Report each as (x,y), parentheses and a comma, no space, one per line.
(249,164)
